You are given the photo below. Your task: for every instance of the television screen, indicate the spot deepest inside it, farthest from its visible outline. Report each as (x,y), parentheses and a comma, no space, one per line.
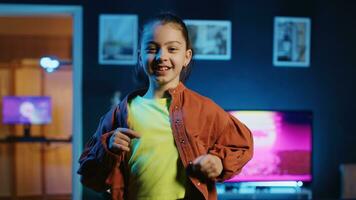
(26,110)
(282,146)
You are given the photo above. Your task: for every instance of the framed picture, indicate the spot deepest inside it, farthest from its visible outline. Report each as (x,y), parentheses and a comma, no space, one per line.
(291,43)
(211,39)
(118,39)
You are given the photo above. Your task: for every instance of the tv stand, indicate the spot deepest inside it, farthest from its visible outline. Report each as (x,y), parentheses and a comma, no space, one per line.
(27,130)
(231,191)
(28,138)
(40,139)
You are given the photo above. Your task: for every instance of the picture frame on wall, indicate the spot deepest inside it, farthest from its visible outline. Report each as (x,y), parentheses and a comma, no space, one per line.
(291,43)
(211,39)
(118,38)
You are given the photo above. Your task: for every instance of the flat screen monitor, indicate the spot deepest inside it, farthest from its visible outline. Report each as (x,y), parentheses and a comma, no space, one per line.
(26,110)
(282,146)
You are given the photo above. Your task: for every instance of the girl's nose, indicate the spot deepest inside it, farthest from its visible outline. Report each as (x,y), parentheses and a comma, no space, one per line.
(161,55)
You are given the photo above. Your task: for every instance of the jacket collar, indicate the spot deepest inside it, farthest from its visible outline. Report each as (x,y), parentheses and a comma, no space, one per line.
(174,91)
(177,90)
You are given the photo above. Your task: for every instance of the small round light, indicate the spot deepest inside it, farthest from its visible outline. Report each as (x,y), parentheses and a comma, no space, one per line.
(49,63)
(299,183)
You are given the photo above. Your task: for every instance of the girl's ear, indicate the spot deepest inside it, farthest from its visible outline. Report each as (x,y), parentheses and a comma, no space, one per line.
(188,57)
(139,57)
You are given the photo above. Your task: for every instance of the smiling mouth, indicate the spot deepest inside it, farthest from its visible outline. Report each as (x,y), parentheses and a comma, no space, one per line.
(162,68)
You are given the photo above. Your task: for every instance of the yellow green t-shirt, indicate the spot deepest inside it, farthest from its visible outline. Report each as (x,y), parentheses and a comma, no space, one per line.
(155,170)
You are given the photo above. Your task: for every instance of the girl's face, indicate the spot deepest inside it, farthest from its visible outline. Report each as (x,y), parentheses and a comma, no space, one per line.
(163,54)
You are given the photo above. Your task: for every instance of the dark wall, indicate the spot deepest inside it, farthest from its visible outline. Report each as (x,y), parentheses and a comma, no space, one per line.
(249,80)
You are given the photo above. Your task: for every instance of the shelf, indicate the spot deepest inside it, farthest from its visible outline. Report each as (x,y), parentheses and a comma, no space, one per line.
(32,139)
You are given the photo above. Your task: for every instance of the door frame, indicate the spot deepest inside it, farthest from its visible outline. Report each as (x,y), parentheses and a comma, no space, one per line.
(76,12)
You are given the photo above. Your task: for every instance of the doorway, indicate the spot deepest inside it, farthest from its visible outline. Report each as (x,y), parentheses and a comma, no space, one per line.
(74,12)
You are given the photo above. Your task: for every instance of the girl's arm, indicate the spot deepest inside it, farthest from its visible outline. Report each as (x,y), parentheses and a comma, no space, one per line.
(97,162)
(234,147)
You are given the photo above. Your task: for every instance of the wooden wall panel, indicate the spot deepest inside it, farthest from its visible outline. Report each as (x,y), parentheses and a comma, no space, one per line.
(58,85)
(58,168)
(18,47)
(58,157)
(28,81)
(5,150)
(5,86)
(28,169)
(5,170)
(5,155)
(35,36)
(36,25)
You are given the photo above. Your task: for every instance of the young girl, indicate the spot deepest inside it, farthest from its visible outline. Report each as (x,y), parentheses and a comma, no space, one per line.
(166,141)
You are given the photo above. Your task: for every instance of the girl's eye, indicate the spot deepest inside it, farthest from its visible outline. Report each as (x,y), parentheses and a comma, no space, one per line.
(151,50)
(172,49)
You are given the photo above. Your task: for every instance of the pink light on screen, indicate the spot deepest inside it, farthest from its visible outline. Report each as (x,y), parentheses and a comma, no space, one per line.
(281,146)
(263,125)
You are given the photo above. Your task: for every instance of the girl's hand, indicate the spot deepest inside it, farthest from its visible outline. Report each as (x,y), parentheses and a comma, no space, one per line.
(209,165)
(120,140)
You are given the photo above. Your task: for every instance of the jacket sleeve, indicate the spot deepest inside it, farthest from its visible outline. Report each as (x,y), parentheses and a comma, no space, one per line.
(97,162)
(234,146)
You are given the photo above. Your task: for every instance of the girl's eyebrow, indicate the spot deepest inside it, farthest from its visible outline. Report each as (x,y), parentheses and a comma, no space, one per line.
(166,43)
(170,42)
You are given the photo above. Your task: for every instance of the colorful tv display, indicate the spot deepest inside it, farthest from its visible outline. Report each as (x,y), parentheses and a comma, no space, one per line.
(26,110)
(282,146)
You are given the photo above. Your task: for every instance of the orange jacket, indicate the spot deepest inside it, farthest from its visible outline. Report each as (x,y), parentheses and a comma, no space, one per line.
(199,127)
